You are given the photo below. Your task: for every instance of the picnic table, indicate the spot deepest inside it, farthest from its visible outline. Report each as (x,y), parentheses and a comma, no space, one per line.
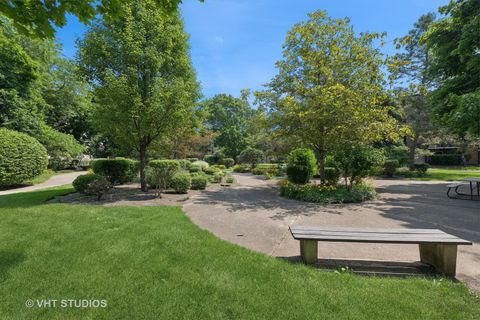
(474,184)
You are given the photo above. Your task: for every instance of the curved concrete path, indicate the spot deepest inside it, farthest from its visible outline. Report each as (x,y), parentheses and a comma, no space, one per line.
(55,181)
(253,215)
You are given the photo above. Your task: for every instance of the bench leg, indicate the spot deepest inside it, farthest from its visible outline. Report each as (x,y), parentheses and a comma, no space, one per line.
(443,257)
(308,251)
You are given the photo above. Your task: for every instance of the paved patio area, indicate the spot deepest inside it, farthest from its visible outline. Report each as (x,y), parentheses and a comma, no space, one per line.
(253,215)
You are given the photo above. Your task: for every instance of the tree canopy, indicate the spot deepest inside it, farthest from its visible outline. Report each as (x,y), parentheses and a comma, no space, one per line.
(144,84)
(454,42)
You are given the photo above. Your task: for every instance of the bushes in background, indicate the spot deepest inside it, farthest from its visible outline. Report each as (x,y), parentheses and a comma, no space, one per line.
(22,157)
(161,172)
(251,156)
(117,171)
(61,147)
(181,182)
(301,165)
(445,159)
(202,164)
(390,167)
(227,162)
(241,168)
(199,182)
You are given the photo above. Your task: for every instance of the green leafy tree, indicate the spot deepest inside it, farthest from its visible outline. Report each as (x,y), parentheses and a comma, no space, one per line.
(39,18)
(251,156)
(228,116)
(410,68)
(454,42)
(329,89)
(140,68)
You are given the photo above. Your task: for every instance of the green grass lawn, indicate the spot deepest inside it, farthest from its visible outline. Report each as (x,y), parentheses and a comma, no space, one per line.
(443,174)
(154,263)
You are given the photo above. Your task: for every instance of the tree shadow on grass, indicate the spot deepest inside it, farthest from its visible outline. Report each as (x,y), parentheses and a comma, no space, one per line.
(8,260)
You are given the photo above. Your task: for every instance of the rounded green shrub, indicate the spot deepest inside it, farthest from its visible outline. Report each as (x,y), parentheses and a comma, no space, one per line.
(241,168)
(117,171)
(184,164)
(332,175)
(181,182)
(230,179)
(160,172)
(199,182)
(251,156)
(217,177)
(81,182)
(227,162)
(421,168)
(390,167)
(202,164)
(301,165)
(210,170)
(22,157)
(194,169)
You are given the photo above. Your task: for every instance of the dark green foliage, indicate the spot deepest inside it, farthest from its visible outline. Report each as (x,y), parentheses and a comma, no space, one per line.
(184,164)
(357,161)
(117,171)
(21,157)
(228,162)
(81,182)
(99,187)
(161,172)
(327,194)
(390,167)
(421,168)
(251,156)
(301,165)
(181,182)
(199,182)
(445,159)
(399,153)
(195,168)
(332,175)
(61,147)
(192,159)
(209,158)
(210,170)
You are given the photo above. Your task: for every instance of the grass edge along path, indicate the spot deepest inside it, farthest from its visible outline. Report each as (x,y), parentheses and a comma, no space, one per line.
(153,262)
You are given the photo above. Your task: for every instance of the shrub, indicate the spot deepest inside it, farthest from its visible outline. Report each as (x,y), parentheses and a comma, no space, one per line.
(209,158)
(199,182)
(228,162)
(332,175)
(21,157)
(327,194)
(210,170)
(399,153)
(241,168)
(217,177)
(181,182)
(184,164)
(357,161)
(160,173)
(192,159)
(421,168)
(99,187)
(61,147)
(230,179)
(202,164)
(81,182)
(251,156)
(390,167)
(301,166)
(445,159)
(219,166)
(258,171)
(117,171)
(194,168)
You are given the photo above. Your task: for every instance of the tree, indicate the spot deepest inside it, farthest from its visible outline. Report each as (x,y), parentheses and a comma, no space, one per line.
(251,156)
(228,116)
(39,18)
(412,66)
(454,42)
(329,89)
(144,84)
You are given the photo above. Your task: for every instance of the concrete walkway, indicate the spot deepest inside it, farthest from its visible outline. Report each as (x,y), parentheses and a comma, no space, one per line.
(253,215)
(55,181)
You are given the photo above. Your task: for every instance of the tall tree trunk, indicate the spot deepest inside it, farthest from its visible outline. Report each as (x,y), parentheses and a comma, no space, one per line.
(143,164)
(412,146)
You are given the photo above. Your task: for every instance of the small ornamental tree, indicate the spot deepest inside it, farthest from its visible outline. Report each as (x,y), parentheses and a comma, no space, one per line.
(356,161)
(251,156)
(161,172)
(301,165)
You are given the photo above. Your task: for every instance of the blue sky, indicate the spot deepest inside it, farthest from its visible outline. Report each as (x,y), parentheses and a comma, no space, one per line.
(235,43)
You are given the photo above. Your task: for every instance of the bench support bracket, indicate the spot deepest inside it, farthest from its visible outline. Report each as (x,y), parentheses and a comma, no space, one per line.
(443,257)
(309,251)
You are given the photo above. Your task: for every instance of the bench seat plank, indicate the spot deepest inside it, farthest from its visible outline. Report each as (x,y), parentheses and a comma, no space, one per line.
(402,236)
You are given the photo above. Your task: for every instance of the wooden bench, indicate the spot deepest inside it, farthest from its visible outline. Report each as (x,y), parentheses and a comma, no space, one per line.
(437,248)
